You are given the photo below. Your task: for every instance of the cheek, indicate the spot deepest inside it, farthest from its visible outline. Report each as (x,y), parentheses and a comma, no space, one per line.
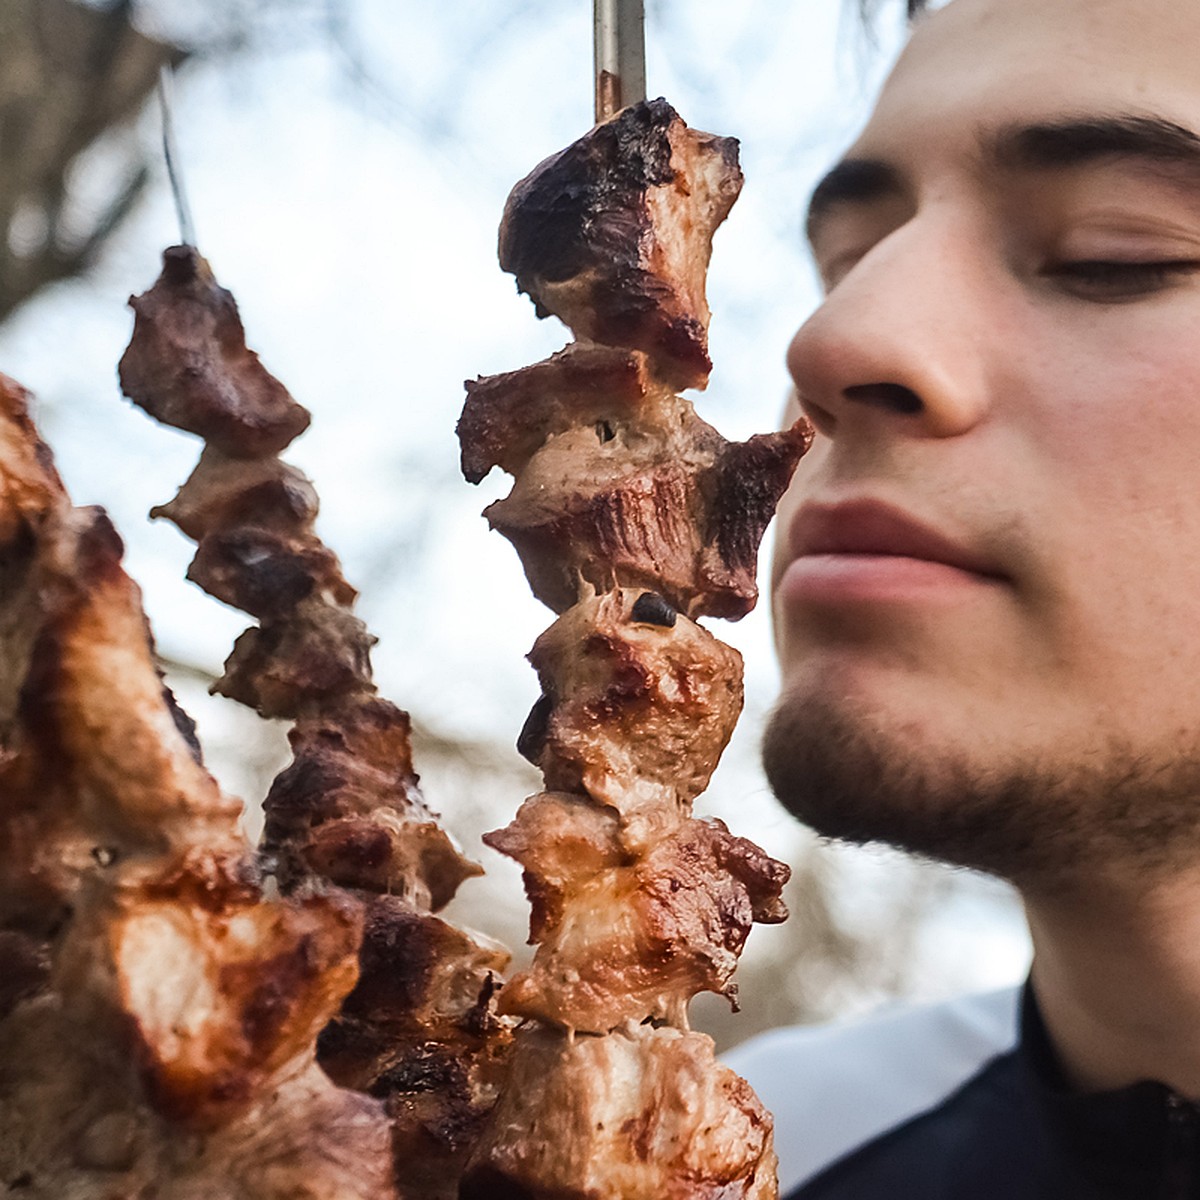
(1115,436)
(1132,371)
(1108,396)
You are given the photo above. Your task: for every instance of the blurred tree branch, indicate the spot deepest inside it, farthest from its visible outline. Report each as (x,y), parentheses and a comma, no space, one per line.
(69,73)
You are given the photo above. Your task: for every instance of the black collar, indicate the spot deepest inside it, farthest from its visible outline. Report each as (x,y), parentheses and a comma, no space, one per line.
(1141,1140)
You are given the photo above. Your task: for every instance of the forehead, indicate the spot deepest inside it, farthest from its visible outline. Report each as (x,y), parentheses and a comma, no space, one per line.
(984,63)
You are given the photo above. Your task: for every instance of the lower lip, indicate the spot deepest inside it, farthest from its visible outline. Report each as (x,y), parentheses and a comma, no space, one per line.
(876,578)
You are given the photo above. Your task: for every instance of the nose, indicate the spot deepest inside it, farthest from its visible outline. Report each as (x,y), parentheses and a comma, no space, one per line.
(903,340)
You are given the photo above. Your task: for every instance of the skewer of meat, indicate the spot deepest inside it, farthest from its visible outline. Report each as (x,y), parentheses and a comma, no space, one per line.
(633,518)
(158,1010)
(346,817)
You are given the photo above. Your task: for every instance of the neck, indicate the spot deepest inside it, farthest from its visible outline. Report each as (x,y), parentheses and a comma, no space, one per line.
(1117,977)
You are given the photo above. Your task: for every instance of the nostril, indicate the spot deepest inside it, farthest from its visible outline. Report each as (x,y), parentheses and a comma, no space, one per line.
(823,421)
(891,396)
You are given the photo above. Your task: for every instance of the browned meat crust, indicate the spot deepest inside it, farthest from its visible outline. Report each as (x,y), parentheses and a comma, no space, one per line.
(420,1032)
(348,809)
(620,484)
(188,364)
(643,1114)
(508,418)
(253,984)
(633,940)
(614,233)
(638,706)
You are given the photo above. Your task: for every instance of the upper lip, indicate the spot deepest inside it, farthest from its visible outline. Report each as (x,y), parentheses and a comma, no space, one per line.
(873,527)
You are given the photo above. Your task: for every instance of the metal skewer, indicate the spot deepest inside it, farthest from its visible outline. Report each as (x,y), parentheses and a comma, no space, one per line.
(620,54)
(187,231)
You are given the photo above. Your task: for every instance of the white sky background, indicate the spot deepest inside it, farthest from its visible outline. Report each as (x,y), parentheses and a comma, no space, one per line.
(355,222)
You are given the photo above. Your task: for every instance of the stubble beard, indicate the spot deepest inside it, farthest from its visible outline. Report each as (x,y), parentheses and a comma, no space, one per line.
(1043,824)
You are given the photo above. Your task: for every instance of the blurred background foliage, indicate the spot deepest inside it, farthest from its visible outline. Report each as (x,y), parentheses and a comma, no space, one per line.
(347,161)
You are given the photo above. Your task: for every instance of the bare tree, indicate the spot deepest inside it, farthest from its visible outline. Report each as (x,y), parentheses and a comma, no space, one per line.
(69,74)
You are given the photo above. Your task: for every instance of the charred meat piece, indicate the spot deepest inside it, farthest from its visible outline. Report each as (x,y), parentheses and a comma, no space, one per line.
(508,418)
(266,574)
(225,493)
(643,495)
(618,505)
(348,809)
(287,667)
(421,975)
(635,941)
(614,233)
(253,520)
(188,364)
(638,710)
(127,770)
(643,1114)
(420,1032)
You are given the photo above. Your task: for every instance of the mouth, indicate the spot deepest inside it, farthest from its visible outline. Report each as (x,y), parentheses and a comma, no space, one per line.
(866,550)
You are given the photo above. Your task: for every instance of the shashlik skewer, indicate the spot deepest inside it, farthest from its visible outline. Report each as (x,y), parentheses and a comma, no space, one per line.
(619,54)
(632,517)
(419,1030)
(159,1011)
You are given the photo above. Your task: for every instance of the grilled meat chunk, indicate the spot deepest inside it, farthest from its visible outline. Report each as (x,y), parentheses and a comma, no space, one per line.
(188,364)
(626,940)
(643,1114)
(614,233)
(508,418)
(420,1032)
(637,710)
(348,809)
(225,492)
(628,490)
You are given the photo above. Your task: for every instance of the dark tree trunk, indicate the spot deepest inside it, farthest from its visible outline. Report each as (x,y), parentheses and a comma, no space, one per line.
(69,75)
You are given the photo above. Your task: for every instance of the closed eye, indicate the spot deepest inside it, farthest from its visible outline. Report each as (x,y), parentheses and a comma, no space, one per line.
(1115,281)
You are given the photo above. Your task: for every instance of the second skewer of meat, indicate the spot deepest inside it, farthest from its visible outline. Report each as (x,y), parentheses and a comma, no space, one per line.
(346,817)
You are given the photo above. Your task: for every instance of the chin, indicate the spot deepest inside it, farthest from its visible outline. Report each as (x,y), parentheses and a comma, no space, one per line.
(1037,817)
(857,776)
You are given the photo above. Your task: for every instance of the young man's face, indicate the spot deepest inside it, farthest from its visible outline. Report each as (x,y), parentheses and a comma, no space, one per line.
(987,584)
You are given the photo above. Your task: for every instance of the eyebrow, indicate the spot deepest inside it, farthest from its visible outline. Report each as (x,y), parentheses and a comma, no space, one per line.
(852,181)
(1042,146)
(1073,142)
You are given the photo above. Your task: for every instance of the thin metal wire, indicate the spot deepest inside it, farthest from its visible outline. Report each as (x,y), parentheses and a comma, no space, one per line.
(619,41)
(187,231)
